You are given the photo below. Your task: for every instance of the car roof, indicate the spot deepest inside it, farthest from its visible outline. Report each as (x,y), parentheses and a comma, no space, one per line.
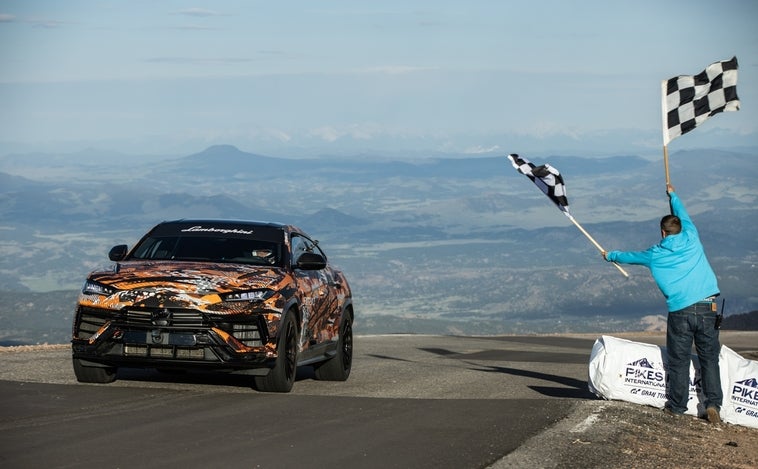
(228,221)
(224,227)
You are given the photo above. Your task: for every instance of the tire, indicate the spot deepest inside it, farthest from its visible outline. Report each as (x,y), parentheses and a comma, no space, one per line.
(93,374)
(282,375)
(338,367)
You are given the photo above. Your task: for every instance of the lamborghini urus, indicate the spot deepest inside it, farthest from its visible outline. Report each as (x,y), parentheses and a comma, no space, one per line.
(233,296)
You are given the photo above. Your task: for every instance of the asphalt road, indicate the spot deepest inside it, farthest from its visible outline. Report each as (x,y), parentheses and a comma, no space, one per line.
(411,401)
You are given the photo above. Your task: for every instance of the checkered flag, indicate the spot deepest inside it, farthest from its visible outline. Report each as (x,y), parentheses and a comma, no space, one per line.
(547,178)
(550,181)
(689,100)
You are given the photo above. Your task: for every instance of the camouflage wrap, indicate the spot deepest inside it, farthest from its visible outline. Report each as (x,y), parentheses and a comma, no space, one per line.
(213,314)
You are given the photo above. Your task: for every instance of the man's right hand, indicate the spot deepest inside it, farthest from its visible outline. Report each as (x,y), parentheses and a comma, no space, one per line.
(669,188)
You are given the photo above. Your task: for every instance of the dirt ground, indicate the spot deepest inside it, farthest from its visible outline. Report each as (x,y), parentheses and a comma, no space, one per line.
(687,442)
(642,437)
(616,434)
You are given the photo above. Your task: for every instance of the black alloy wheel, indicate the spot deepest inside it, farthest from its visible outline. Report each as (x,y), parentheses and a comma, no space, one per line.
(282,375)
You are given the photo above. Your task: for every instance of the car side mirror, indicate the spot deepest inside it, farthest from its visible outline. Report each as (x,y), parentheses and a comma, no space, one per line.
(117,253)
(311,261)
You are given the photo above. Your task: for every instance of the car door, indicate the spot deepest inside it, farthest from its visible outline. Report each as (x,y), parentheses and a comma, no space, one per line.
(313,286)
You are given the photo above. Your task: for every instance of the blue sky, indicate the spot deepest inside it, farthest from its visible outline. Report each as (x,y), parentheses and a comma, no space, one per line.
(305,78)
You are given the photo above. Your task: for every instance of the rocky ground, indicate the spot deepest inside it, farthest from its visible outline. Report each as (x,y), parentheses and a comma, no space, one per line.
(646,437)
(615,434)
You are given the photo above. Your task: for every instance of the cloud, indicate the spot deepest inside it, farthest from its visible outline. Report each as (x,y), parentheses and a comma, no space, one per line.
(547,129)
(365,131)
(225,135)
(395,69)
(478,149)
(45,23)
(198,60)
(35,22)
(197,12)
(328,134)
(270,134)
(195,27)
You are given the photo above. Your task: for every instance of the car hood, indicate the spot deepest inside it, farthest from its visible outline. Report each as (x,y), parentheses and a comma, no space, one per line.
(198,278)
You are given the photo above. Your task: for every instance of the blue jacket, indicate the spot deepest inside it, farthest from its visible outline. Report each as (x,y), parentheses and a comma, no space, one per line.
(678,263)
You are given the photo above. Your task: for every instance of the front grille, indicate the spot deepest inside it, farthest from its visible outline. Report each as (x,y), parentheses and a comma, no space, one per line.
(165,317)
(249,329)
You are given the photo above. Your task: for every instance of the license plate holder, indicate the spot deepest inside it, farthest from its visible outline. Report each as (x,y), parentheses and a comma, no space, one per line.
(157,337)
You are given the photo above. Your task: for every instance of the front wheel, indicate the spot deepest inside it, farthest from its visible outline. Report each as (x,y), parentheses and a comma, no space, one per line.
(93,374)
(282,375)
(338,367)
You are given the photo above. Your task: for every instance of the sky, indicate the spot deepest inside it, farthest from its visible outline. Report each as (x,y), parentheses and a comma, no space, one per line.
(338,77)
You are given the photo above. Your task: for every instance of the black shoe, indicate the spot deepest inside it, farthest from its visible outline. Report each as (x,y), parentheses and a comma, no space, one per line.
(671,413)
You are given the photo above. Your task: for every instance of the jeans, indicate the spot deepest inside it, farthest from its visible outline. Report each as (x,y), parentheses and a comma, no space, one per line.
(694,323)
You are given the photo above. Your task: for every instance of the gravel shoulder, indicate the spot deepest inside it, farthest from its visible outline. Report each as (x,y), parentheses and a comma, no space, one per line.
(615,434)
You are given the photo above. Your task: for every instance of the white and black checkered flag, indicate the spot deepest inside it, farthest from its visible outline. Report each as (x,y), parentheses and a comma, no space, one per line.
(547,178)
(550,181)
(689,100)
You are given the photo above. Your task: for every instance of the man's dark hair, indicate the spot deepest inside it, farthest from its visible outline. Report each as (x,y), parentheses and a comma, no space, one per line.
(671,225)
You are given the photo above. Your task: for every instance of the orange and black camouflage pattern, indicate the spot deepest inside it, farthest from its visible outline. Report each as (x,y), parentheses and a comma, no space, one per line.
(158,308)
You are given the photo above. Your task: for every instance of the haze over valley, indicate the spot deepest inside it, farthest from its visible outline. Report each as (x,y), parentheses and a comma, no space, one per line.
(456,245)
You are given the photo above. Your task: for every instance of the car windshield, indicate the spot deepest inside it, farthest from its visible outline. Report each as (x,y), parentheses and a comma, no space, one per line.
(209,249)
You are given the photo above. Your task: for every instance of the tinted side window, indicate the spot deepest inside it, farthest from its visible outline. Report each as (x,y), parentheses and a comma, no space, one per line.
(156,248)
(301,244)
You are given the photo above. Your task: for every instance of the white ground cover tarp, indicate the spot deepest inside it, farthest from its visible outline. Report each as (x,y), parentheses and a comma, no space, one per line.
(621,369)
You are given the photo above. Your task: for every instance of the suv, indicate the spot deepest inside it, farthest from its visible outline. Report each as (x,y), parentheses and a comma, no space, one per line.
(233,296)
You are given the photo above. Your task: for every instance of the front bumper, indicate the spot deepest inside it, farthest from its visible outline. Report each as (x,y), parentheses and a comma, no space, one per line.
(184,339)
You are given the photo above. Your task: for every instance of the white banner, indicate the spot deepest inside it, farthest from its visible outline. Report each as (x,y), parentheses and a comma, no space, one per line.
(739,379)
(636,372)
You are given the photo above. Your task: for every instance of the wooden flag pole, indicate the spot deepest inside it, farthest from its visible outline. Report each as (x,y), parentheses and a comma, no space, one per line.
(664,122)
(666,164)
(593,241)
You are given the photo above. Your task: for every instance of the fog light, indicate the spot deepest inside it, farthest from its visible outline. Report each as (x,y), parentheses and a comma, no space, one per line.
(190,354)
(135,350)
(162,352)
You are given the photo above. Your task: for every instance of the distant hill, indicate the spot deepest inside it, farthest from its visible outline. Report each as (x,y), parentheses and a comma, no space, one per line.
(741,322)
(327,220)
(454,243)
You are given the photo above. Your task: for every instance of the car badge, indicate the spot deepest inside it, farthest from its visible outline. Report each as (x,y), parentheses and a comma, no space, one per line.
(160,317)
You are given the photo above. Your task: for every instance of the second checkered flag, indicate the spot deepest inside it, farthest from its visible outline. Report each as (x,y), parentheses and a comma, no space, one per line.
(688,100)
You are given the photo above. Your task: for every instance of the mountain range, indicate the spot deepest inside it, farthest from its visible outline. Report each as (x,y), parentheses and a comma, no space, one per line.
(453,245)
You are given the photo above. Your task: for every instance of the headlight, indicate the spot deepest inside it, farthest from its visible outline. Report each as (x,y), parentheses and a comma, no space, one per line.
(94,288)
(252,295)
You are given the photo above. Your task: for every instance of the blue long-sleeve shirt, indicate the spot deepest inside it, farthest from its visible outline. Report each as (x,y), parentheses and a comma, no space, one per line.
(678,263)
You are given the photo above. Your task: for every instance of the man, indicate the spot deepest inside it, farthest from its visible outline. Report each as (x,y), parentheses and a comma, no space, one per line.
(684,276)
